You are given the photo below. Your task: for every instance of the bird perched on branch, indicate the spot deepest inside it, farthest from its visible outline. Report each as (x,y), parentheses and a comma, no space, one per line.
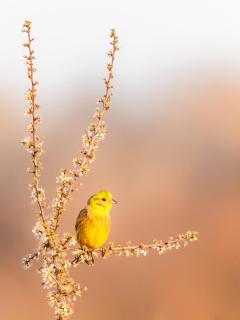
(93,222)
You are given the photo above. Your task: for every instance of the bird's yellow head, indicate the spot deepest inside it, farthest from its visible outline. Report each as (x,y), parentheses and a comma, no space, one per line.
(101,203)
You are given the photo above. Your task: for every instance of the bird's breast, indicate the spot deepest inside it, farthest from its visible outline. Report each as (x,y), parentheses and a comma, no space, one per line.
(94,232)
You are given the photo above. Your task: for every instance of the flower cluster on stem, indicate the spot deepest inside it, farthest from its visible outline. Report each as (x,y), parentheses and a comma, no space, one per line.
(33,143)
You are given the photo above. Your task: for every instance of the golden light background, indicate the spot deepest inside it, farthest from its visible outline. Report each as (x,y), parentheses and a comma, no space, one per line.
(171,157)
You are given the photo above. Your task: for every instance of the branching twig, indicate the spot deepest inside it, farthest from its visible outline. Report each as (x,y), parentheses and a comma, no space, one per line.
(90,140)
(56,253)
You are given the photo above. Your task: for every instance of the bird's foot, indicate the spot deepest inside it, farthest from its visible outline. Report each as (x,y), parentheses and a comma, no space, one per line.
(90,259)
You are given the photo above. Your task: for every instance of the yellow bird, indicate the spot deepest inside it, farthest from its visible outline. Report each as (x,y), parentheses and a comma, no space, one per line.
(93,222)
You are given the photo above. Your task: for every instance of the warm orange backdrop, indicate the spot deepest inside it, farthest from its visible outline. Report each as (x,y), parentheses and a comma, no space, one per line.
(173,163)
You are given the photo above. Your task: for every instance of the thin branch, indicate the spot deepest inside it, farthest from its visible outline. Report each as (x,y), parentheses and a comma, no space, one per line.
(28,260)
(95,133)
(85,255)
(33,144)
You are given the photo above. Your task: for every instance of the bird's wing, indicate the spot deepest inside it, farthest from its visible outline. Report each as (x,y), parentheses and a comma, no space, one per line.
(81,214)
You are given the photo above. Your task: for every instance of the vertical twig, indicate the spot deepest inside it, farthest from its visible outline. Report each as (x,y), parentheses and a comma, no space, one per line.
(33,144)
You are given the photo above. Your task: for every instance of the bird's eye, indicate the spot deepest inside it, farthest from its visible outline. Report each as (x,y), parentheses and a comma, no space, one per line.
(104,199)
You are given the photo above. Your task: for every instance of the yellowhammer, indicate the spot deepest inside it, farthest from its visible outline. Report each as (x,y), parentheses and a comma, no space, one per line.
(93,222)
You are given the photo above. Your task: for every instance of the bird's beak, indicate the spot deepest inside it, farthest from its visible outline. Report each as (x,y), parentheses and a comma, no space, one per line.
(113,201)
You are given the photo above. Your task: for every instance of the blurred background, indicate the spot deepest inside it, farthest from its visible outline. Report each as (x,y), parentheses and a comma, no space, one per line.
(171,157)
